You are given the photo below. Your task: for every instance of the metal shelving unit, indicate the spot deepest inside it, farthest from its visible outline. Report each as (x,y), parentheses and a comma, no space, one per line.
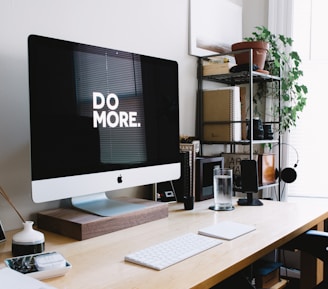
(234,79)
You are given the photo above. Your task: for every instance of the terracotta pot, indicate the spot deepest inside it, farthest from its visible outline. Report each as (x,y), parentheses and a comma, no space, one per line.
(260,49)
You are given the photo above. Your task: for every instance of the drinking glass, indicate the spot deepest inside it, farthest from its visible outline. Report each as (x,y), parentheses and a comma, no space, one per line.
(222,186)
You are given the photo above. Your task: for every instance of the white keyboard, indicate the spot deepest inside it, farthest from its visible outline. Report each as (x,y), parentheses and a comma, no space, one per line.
(165,254)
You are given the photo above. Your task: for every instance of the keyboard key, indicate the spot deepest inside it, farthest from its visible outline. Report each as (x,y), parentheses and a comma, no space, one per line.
(165,254)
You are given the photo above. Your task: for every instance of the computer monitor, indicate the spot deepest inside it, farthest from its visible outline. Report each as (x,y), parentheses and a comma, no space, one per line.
(101,120)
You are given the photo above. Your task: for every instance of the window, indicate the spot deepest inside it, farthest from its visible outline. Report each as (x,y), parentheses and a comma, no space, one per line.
(308,137)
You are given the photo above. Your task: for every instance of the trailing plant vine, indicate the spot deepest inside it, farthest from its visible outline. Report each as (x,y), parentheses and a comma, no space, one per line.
(284,62)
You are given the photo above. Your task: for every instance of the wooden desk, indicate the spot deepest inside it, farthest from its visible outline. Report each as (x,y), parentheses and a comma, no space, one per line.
(99,262)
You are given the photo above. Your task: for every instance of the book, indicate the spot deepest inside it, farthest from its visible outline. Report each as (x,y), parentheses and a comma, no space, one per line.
(222,114)
(232,160)
(243,104)
(227,230)
(266,169)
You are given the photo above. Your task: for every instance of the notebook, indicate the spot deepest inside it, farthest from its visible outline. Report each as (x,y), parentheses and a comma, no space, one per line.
(15,280)
(226,230)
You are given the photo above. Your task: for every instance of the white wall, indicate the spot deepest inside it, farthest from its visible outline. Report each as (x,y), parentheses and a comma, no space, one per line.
(152,27)
(157,28)
(255,13)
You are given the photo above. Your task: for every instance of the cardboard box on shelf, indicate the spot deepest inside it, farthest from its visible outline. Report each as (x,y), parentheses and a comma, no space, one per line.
(213,68)
(222,114)
(218,65)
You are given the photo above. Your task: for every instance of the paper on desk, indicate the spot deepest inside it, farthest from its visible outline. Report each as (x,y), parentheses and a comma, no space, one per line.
(15,280)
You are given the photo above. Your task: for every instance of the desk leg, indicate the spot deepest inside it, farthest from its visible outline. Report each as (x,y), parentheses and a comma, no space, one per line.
(311,268)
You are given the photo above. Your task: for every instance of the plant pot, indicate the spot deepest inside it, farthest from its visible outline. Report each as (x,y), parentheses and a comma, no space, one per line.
(260,49)
(28,241)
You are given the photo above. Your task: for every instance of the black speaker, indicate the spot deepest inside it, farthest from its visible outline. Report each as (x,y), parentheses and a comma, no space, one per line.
(289,174)
(249,176)
(249,183)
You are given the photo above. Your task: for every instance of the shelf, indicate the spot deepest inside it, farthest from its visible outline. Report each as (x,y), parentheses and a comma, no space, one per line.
(239,189)
(248,77)
(268,186)
(245,142)
(282,284)
(240,77)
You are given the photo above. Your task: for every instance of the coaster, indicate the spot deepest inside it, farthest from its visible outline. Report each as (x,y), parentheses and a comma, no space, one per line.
(228,209)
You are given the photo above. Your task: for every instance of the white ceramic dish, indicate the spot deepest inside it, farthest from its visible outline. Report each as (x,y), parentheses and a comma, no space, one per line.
(25,264)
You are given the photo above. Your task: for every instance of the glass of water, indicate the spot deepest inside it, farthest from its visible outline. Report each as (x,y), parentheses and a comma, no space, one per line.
(222,186)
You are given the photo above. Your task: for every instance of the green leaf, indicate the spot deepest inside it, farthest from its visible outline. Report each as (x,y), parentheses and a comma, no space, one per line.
(285,62)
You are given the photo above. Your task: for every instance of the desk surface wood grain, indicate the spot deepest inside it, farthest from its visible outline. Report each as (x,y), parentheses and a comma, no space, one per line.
(98,263)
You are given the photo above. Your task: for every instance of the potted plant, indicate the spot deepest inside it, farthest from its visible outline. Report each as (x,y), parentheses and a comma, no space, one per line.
(284,62)
(260,49)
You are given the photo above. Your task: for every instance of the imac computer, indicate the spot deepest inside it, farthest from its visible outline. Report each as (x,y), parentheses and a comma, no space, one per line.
(100,120)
